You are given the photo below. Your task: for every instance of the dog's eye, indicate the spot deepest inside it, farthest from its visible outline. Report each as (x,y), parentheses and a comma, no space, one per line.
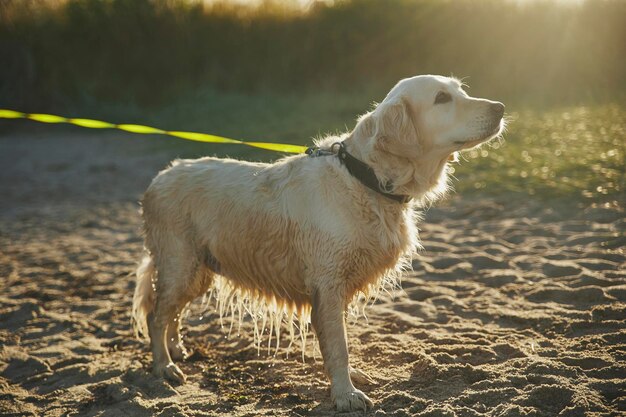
(442,97)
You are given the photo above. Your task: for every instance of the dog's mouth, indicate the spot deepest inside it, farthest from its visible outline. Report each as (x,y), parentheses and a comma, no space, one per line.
(490,132)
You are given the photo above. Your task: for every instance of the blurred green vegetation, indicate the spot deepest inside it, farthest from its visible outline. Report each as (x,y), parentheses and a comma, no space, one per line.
(575,152)
(148,52)
(285,74)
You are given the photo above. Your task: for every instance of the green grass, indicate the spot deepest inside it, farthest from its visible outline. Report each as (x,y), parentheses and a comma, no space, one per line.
(295,119)
(280,74)
(564,152)
(573,151)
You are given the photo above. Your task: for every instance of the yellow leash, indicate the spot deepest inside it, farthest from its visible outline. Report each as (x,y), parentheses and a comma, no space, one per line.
(147,130)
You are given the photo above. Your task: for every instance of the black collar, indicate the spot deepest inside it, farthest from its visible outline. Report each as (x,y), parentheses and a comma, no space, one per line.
(360,170)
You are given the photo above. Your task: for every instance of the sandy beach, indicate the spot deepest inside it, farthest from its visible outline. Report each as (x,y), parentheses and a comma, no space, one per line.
(514,307)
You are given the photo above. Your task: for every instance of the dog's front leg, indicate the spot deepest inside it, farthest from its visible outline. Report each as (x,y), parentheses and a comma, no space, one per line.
(327,316)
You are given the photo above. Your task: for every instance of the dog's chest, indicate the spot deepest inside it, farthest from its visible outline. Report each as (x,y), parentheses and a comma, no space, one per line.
(375,253)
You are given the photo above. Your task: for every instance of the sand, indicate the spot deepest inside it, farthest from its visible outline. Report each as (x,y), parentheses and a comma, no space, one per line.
(515,307)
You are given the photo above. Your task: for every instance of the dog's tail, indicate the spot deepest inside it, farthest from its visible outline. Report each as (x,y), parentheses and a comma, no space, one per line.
(145,296)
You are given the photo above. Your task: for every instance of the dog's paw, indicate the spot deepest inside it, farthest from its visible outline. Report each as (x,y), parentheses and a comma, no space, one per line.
(354,400)
(359,377)
(171,372)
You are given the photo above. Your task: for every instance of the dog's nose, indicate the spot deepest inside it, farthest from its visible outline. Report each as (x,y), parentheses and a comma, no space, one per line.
(497,109)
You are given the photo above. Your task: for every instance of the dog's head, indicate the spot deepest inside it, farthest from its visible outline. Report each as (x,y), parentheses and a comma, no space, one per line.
(423,121)
(433,113)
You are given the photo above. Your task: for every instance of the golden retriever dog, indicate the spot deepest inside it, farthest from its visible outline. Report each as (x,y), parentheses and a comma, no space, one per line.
(302,238)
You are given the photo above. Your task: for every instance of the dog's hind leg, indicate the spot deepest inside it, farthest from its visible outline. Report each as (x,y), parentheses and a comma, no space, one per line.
(175,344)
(176,272)
(327,317)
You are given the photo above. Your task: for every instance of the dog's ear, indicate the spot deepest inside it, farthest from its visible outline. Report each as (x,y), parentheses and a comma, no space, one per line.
(395,128)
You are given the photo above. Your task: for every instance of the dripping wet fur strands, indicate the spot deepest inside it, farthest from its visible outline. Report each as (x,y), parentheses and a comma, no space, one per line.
(235,305)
